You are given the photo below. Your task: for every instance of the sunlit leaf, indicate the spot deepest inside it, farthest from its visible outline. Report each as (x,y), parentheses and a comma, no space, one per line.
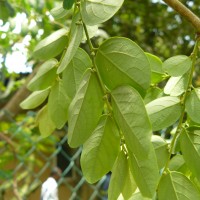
(177,65)
(35,99)
(58,104)
(120,61)
(46,125)
(164,112)
(95,12)
(44,77)
(176,186)
(52,45)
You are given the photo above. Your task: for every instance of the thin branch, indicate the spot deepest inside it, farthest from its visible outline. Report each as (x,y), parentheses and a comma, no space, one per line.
(185,12)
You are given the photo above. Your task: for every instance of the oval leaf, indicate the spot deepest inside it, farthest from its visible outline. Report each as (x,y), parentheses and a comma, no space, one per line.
(121,182)
(163,112)
(58,104)
(152,94)
(160,147)
(52,45)
(128,105)
(35,99)
(44,77)
(85,110)
(192,105)
(156,68)
(46,125)
(100,150)
(75,38)
(176,186)
(96,12)
(59,12)
(73,73)
(177,65)
(190,146)
(177,85)
(132,68)
(145,171)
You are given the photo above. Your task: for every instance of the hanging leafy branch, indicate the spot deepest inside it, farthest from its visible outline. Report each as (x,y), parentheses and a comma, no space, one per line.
(113,104)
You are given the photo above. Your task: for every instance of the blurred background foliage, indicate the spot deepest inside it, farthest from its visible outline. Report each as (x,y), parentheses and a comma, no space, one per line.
(150,23)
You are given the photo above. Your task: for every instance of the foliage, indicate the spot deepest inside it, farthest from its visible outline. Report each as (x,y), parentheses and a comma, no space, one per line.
(115,98)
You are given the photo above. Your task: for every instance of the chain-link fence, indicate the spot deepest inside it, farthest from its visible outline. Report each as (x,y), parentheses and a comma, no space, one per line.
(26,160)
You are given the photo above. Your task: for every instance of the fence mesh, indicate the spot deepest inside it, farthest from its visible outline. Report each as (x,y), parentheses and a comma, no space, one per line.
(26,160)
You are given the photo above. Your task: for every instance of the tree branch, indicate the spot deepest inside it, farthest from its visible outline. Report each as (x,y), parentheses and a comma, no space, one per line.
(185,12)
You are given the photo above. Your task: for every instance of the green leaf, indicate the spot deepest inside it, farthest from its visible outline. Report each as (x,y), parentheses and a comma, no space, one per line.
(58,104)
(67,4)
(176,85)
(121,182)
(100,150)
(132,68)
(46,125)
(177,163)
(192,105)
(52,45)
(176,186)
(128,105)
(177,65)
(75,38)
(73,73)
(44,77)
(59,12)
(85,110)
(190,147)
(156,68)
(163,112)
(96,12)
(145,171)
(160,147)
(152,93)
(35,99)
(138,196)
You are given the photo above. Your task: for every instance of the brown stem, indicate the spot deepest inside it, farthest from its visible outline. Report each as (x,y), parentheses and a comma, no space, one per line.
(185,12)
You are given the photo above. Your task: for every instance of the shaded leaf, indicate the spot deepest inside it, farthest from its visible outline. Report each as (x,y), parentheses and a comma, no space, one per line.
(52,45)
(96,12)
(59,12)
(58,104)
(100,150)
(85,110)
(176,186)
(121,182)
(131,116)
(73,73)
(67,4)
(35,99)
(160,147)
(156,68)
(192,105)
(75,38)
(145,171)
(190,147)
(132,68)
(44,77)
(163,112)
(152,94)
